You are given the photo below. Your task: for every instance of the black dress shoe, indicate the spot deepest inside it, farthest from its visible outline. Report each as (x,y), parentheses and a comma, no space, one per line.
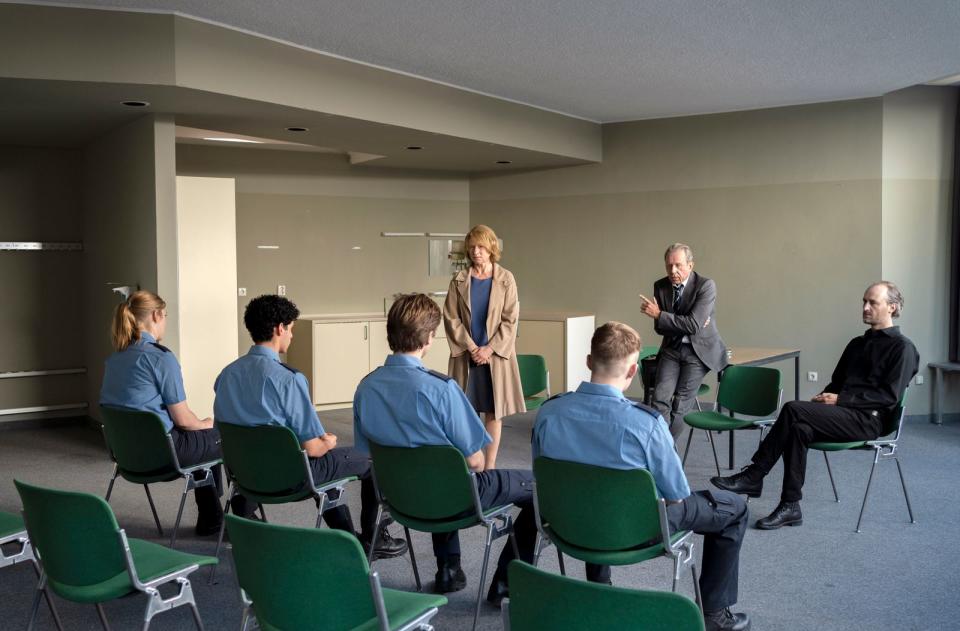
(385,546)
(724,620)
(449,579)
(497,592)
(785,514)
(209,521)
(747,482)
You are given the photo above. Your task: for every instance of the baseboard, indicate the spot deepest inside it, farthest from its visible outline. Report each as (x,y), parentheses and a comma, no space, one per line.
(47,422)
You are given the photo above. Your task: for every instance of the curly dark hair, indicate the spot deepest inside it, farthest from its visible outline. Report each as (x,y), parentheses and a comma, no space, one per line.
(264,313)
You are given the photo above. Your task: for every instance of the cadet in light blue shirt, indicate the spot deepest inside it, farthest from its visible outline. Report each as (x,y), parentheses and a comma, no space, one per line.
(257,389)
(144,375)
(402,404)
(597,425)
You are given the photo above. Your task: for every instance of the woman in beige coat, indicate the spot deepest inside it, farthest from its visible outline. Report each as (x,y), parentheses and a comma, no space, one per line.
(480,317)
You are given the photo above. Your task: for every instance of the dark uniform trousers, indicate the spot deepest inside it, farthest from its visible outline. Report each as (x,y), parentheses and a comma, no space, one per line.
(193,447)
(679,375)
(801,423)
(342,462)
(721,517)
(496,488)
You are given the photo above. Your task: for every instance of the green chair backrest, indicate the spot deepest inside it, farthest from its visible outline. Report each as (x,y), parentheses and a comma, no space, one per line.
(648,351)
(892,421)
(429,483)
(622,513)
(74,533)
(750,390)
(541,600)
(137,439)
(301,578)
(265,459)
(533,374)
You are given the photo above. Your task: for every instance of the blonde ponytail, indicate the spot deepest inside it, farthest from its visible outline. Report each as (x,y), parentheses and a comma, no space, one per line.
(129,316)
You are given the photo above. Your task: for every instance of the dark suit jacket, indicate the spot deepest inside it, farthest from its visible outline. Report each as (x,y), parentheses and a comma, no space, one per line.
(696,305)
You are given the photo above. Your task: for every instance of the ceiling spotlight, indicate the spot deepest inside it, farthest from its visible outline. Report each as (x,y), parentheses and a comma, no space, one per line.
(414,148)
(298,129)
(135,103)
(504,162)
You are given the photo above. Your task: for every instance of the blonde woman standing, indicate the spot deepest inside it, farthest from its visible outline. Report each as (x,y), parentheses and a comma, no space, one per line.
(480,317)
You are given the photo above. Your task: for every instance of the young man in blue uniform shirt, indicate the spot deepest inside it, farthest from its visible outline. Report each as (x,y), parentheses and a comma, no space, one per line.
(257,389)
(402,404)
(598,425)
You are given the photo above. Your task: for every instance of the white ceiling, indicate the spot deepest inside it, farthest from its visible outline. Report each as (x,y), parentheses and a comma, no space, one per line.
(614,60)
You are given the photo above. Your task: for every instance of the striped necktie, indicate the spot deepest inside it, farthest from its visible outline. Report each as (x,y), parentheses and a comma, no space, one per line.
(677,290)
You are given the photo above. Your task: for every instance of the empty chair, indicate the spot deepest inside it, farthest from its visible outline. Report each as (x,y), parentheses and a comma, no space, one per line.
(534,380)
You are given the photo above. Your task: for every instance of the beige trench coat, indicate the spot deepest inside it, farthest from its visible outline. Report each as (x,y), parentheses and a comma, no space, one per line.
(503,315)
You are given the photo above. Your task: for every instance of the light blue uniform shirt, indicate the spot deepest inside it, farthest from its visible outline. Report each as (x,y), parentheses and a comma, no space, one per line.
(144,376)
(599,426)
(402,404)
(257,389)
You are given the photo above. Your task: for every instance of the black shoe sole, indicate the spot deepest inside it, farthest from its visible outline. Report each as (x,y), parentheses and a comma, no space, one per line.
(378,554)
(795,522)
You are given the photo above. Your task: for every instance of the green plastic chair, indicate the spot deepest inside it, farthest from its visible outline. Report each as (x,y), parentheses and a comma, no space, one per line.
(268,465)
(430,489)
(86,557)
(648,351)
(143,453)
(747,390)
(301,578)
(12,531)
(883,449)
(540,600)
(624,521)
(534,379)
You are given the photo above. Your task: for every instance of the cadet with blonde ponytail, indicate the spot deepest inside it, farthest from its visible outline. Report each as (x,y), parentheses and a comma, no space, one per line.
(144,375)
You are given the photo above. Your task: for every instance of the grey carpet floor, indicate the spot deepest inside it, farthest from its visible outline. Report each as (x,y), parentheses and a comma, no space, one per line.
(894,575)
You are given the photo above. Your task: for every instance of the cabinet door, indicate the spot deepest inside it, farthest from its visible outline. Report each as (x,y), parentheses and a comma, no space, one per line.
(536,337)
(379,347)
(341,358)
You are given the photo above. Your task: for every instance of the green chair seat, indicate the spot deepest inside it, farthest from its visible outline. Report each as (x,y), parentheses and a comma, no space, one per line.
(648,351)
(10,524)
(443,525)
(534,379)
(612,557)
(534,402)
(703,389)
(714,421)
(856,444)
(403,608)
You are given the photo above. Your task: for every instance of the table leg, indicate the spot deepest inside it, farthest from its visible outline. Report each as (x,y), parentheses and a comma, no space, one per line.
(938,397)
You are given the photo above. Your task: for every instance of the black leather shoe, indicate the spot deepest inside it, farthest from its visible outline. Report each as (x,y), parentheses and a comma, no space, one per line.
(208,522)
(785,514)
(449,579)
(724,620)
(385,546)
(745,483)
(497,592)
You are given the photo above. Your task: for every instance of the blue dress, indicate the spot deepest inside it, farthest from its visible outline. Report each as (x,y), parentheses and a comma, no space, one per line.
(479,381)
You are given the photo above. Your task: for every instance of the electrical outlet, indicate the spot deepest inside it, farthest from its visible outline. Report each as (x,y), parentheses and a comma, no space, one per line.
(812,376)
(281,290)
(242,291)
(919,380)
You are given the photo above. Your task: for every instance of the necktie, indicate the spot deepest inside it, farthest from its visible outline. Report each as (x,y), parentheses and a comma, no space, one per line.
(677,289)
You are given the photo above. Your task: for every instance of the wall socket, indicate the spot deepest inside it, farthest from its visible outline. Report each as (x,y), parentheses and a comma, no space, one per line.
(812,376)
(281,290)
(919,380)
(241,291)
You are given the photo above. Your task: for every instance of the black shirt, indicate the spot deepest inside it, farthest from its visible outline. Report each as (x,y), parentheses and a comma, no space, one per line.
(874,370)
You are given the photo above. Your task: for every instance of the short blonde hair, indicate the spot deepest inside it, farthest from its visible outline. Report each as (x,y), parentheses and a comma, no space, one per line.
(683,247)
(484,236)
(613,343)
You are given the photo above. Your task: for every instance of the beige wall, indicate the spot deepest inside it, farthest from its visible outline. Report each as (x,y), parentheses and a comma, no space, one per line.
(316,208)
(918,126)
(126,184)
(782,208)
(40,321)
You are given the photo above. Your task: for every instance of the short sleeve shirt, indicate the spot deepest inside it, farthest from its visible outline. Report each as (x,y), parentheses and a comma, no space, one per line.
(597,425)
(257,389)
(402,404)
(145,376)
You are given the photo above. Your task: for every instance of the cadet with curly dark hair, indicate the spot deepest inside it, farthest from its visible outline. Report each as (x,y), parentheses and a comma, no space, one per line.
(265,313)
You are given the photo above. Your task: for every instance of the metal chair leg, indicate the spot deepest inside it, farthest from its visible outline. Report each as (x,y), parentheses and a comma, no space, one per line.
(48,596)
(863,506)
(483,574)
(322,506)
(713,446)
(176,524)
(231,493)
(116,472)
(376,529)
(263,513)
(413,558)
(676,572)
(906,496)
(563,571)
(196,616)
(686,451)
(153,509)
(696,586)
(35,607)
(103,617)
(830,473)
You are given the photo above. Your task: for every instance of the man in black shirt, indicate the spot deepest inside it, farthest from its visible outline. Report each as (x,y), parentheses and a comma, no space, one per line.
(867,385)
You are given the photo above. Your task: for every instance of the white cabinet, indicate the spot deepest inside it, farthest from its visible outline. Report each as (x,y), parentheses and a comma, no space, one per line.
(564,341)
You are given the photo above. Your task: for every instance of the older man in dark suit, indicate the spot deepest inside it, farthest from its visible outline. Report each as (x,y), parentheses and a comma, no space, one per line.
(683,313)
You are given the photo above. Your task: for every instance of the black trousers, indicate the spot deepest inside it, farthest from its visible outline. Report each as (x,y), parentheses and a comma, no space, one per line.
(801,423)
(342,462)
(193,447)
(679,375)
(721,517)
(498,487)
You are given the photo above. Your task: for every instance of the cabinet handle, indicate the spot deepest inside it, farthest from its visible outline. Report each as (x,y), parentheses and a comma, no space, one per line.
(365,331)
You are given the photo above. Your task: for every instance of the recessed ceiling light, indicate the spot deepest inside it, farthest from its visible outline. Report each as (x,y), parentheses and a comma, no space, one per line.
(135,103)
(298,129)
(253,142)
(504,162)
(356,247)
(414,148)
